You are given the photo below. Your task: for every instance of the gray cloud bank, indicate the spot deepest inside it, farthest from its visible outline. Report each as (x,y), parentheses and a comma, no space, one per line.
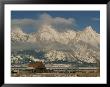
(59,23)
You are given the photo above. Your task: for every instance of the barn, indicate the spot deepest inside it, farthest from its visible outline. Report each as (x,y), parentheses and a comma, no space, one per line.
(38,66)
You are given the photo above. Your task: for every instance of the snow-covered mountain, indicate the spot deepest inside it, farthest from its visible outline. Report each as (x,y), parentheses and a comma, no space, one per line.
(88,35)
(47,33)
(81,46)
(18,35)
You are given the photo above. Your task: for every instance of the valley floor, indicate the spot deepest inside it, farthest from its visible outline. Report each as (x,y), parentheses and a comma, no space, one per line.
(80,73)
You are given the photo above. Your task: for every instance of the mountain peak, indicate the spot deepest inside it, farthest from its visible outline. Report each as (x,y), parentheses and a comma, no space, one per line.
(89,29)
(17,31)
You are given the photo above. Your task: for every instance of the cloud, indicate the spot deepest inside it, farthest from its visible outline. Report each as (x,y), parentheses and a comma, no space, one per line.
(59,23)
(23,22)
(47,19)
(95,19)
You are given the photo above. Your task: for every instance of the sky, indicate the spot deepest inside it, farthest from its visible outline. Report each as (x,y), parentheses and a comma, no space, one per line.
(31,21)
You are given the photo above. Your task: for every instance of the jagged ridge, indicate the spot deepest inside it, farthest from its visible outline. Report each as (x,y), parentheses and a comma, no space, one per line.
(82,46)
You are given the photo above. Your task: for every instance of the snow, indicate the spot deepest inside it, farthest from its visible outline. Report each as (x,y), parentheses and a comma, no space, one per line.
(80,39)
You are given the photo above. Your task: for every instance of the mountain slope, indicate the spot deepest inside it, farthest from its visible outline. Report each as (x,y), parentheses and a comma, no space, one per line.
(72,46)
